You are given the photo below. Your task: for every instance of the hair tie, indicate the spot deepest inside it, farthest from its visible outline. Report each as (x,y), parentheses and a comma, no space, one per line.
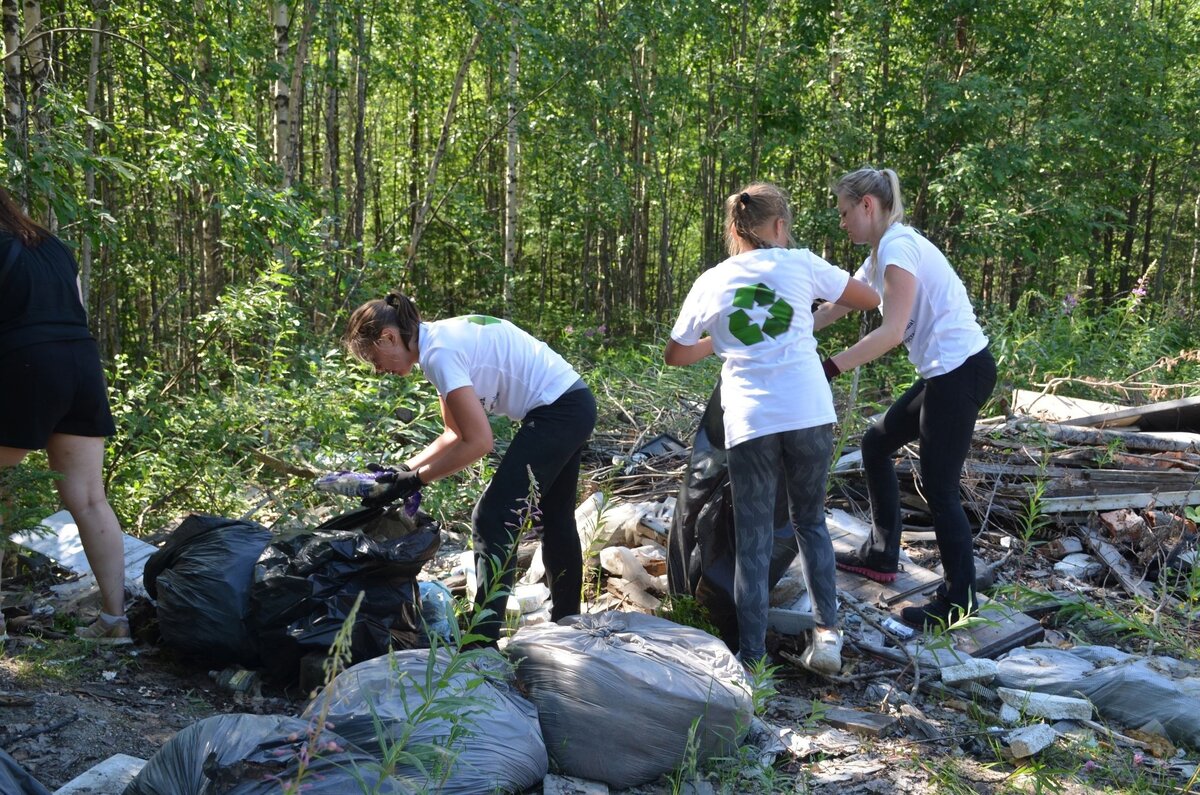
(744,198)
(392,300)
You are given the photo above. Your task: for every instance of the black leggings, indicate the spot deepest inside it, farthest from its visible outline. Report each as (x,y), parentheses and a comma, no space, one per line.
(549,443)
(941,413)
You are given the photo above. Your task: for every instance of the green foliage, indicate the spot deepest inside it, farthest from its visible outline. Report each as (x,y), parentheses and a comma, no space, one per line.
(685,610)
(26,495)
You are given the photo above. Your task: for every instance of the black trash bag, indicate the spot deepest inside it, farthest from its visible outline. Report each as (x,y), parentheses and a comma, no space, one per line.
(15,780)
(253,754)
(201,580)
(306,583)
(701,543)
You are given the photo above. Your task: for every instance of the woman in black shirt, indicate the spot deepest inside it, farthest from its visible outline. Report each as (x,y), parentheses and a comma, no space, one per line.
(53,397)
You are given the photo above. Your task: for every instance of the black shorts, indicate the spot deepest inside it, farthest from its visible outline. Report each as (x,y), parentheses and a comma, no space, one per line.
(52,387)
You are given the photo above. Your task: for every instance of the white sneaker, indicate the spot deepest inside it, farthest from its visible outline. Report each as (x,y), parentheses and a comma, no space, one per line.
(824,652)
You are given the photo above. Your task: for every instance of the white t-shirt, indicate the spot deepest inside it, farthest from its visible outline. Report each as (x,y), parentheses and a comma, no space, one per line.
(511,371)
(757,307)
(942,332)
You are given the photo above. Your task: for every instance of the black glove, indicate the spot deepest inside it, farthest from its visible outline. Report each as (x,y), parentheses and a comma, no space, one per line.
(401,484)
(831,369)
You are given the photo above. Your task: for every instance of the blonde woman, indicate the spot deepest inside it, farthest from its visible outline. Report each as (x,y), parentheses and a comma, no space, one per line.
(925,307)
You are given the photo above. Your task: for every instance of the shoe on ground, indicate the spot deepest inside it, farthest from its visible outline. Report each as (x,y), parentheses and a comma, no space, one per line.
(934,614)
(824,652)
(866,566)
(107,630)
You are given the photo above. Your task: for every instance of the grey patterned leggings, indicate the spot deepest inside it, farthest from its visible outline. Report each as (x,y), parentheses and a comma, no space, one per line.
(754,467)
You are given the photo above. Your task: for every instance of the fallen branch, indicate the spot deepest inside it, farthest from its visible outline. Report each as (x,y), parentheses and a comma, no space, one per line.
(43,730)
(1116,563)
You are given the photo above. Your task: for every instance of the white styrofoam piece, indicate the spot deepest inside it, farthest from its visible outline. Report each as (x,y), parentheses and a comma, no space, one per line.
(63,545)
(109,777)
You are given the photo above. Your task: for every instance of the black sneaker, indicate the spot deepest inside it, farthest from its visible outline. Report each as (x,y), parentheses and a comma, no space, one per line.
(865,566)
(934,614)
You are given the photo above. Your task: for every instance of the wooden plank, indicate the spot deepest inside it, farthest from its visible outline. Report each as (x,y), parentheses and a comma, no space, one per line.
(868,724)
(1057,408)
(848,534)
(1111,502)
(1171,415)
(1126,440)
(1089,482)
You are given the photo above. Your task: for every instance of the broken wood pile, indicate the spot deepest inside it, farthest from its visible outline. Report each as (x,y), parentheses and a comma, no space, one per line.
(1121,482)
(1022,465)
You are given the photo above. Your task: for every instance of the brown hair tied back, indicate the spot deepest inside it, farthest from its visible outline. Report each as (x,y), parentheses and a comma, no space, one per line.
(748,211)
(395,310)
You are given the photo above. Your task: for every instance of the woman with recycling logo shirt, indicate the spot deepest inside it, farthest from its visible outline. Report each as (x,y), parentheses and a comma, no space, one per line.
(755,309)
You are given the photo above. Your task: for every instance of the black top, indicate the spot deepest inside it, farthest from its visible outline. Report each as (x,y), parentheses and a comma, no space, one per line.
(39,300)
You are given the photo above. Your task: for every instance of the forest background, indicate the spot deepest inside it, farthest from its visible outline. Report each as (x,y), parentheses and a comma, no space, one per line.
(235,177)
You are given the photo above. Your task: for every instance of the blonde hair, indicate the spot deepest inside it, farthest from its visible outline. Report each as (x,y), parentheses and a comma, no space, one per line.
(747,210)
(884,185)
(367,323)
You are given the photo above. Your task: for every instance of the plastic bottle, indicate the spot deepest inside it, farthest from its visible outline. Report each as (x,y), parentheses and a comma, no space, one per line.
(361,484)
(238,680)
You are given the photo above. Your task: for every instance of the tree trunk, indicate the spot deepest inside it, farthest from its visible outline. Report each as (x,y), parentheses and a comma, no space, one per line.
(291,160)
(431,177)
(358,210)
(99,10)
(281,19)
(333,155)
(510,173)
(14,90)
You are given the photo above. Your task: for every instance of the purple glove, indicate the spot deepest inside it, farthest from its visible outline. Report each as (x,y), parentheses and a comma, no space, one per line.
(401,484)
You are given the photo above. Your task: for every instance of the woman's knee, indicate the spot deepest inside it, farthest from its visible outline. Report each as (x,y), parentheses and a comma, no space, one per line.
(875,443)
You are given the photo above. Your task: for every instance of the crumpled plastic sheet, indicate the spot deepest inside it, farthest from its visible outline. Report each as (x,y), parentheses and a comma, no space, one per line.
(626,697)
(493,742)
(1129,690)
(253,755)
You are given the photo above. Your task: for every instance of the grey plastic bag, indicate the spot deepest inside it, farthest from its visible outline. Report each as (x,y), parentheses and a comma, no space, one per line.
(626,697)
(473,732)
(1132,692)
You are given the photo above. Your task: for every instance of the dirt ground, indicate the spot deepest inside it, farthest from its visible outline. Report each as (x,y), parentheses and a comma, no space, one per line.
(66,706)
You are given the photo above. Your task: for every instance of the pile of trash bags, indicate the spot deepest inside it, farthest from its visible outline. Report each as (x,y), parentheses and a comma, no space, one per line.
(701,545)
(230,592)
(622,698)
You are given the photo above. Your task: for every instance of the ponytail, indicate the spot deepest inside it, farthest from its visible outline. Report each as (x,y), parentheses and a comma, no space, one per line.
(395,310)
(748,211)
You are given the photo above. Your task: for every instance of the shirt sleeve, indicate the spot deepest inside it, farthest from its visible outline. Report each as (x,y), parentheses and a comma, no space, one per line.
(902,252)
(447,370)
(692,321)
(829,281)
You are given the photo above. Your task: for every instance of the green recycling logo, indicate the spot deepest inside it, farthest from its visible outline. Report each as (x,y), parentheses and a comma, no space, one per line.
(779,314)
